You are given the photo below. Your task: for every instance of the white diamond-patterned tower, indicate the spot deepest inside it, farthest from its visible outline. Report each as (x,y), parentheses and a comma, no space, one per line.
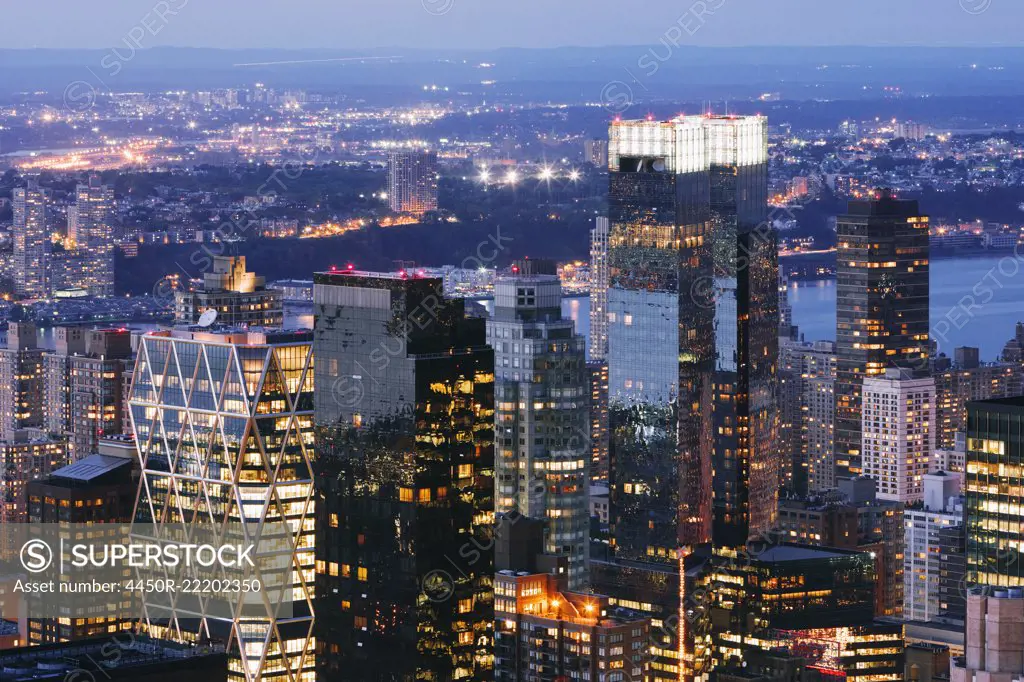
(224,431)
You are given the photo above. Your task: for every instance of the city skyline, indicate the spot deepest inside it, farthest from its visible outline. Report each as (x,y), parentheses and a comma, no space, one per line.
(662,361)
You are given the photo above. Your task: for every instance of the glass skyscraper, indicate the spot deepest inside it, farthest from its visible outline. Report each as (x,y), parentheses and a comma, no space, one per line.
(692,348)
(881,307)
(693,334)
(405,481)
(994,488)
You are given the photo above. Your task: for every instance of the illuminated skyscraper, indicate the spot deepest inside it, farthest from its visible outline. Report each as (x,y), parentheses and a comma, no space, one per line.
(897,433)
(94,236)
(692,349)
(806,394)
(958,385)
(881,307)
(995,493)
(412,181)
(693,334)
(596,152)
(31,242)
(923,544)
(599,290)
(27,455)
(541,396)
(84,386)
(224,431)
(405,481)
(21,380)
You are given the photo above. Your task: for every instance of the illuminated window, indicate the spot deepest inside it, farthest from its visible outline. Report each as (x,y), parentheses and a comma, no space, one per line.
(990,447)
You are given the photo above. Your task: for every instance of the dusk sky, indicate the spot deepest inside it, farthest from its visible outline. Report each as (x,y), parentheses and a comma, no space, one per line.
(504,23)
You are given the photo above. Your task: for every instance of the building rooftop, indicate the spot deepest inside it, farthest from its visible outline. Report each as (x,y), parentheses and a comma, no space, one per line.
(239,336)
(91,659)
(793,552)
(91,468)
(1005,403)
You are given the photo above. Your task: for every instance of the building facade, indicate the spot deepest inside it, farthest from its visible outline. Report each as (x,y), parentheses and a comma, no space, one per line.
(224,435)
(99,489)
(84,386)
(806,396)
(21,376)
(542,421)
(994,637)
(816,603)
(31,242)
(940,510)
(599,290)
(957,386)
(994,492)
(240,298)
(882,290)
(405,481)
(93,236)
(599,436)
(28,455)
(544,632)
(412,181)
(897,433)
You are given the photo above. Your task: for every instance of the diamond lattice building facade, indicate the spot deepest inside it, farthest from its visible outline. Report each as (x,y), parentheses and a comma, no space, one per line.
(224,431)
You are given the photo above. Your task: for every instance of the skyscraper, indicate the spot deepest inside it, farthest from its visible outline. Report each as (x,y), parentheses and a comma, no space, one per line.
(995,492)
(224,431)
(597,350)
(599,290)
(26,455)
(94,236)
(693,332)
(692,350)
(881,307)
(21,379)
(412,181)
(596,152)
(958,385)
(31,242)
(660,338)
(405,480)
(99,489)
(806,394)
(897,433)
(942,509)
(84,386)
(542,427)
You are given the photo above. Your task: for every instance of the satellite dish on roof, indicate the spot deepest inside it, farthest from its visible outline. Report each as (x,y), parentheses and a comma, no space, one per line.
(208,318)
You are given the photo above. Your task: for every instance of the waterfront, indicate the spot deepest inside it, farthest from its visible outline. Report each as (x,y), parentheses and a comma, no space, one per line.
(974,302)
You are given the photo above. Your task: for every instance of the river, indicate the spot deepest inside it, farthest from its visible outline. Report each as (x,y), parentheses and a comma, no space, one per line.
(988,325)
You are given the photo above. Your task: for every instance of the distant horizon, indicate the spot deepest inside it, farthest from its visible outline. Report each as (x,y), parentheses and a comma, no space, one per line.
(278,48)
(536,24)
